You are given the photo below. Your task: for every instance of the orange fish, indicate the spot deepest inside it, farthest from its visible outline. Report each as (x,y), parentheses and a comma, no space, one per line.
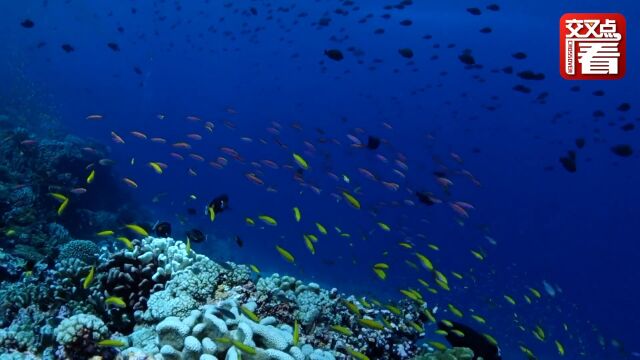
(269,163)
(94,117)
(130,182)
(209,126)
(216,165)
(366,173)
(158,140)
(176,156)
(391,185)
(192,172)
(193,118)
(196,157)
(116,138)
(459,210)
(230,151)
(196,137)
(182,145)
(254,178)
(139,135)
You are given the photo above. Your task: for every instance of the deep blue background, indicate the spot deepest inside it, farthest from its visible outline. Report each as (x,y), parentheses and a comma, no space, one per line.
(578,231)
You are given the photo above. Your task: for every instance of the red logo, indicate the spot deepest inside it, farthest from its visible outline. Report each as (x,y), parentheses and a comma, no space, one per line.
(593,46)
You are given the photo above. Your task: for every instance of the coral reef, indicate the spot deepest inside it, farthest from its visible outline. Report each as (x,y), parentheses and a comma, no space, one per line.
(182,305)
(32,167)
(448,354)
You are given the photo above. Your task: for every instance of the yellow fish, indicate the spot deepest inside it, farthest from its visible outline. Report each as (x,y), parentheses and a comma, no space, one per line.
(250,314)
(381,273)
(244,347)
(188,246)
(285,254)
(560,347)
(91,176)
(384,226)
(438,345)
(491,339)
(300,161)
(479,319)
(89,278)
(105,233)
(62,207)
(309,244)
(352,307)
(356,355)
(434,247)
(268,220)
(425,261)
(296,214)
(477,255)
(510,299)
(249,221)
(137,229)
(296,333)
(254,269)
(535,292)
(126,242)
(156,167)
(212,213)
(455,310)
(116,301)
(321,228)
(351,200)
(341,329)
(372,324)
(112,343)
(405,245)
(393,309)
(59,197)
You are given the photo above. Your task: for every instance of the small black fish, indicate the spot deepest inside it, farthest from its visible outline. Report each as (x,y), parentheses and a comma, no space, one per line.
(624,107)
(225,313)
(530,75)
(580,143)
(628,127)
(467,58)
(569,161)
(163,229)
(218,204)
(493,7)
(113,46)
(622,150)
(406,22)
(191,211)
(195,236)
(425,198)
(474,11)
(27,23)
(239,241)
(334,54)
(472,339)
(406,53)
(519,55)
(67,48)
(373,142)
(486,30)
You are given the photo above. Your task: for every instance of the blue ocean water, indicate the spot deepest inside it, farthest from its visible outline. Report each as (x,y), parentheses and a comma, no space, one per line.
(249,66)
